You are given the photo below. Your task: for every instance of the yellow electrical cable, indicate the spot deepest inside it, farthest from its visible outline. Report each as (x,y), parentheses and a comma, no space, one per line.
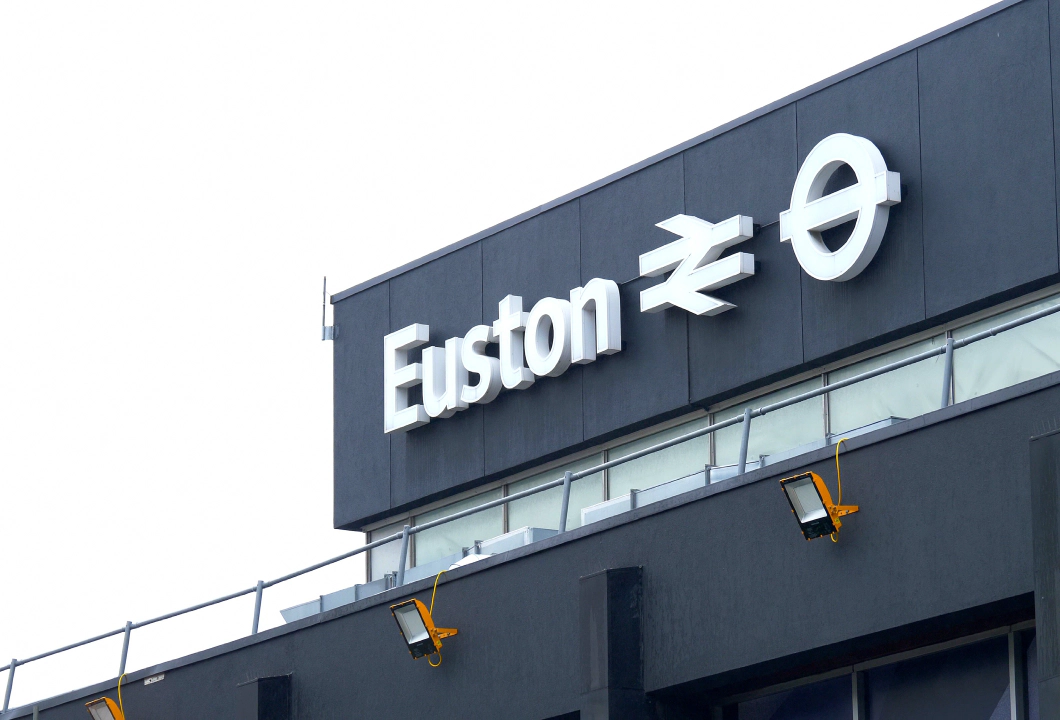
(431,611)
(436,578)
(121,705)
(839,480)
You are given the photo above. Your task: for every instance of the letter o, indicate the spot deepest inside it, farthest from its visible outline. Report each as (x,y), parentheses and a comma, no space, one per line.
(544,358)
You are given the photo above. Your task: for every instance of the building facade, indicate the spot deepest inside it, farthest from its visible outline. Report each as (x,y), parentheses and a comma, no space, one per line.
(762,261)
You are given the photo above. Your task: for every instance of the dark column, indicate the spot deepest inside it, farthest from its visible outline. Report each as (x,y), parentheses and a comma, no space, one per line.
(611,646)
(267,698)
(1045,512)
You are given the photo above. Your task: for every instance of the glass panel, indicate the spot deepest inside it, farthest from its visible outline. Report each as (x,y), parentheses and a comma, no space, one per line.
(776,431)
(825,700)
(452,537)
(906,393)
(385,557)
(1016,355)
(659,467)
(542,510)
(1030,657)
(965,683)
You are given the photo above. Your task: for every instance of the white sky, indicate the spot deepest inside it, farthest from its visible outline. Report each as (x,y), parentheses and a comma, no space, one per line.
(176,178)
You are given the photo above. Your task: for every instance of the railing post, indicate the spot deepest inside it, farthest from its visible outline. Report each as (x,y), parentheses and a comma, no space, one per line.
(125,648)
(744,440)
(404,555)
(257,606)
(947,372)
(566,501)
(10,682)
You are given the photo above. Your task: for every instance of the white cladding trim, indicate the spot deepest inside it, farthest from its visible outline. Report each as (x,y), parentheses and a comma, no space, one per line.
(811,211)
(695,264)
(548,339)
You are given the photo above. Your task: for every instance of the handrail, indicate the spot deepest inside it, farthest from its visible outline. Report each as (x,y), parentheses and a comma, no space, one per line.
(565,481)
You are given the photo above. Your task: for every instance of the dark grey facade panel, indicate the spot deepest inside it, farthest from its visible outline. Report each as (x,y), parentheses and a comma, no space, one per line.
(537,258)
(880,104)
(748,171)
(362,450)
(618,220)
(447,453)
(987,154)
(728,583)
(762,336)
(648,378)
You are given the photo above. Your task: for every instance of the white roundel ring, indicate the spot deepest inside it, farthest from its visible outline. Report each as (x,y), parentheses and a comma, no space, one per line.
(812,212)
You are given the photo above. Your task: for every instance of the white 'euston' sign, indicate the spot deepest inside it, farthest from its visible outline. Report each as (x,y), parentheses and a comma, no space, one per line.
(557,333)
(541,343)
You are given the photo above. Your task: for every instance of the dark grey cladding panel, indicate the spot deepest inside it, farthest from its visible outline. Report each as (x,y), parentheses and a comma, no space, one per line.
(535,259)
(1054,44)
(747,171)
(758,338)
(987,153)
(447,453)
(543,420)
(618,220)
(879,104)
(648,378)
(362,450)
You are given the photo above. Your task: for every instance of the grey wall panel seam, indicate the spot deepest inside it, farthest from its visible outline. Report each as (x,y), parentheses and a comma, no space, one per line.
(666,154)
(923,195)
(802,300)
(1052,109)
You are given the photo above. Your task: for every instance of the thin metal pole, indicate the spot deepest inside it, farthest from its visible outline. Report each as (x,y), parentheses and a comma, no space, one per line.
(404,554)
(125,648)
(744,441)
(10,682)
(947,372)
(565,502)
(257,606)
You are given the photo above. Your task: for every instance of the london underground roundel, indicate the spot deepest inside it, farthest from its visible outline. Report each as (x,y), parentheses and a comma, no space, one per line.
(811,212)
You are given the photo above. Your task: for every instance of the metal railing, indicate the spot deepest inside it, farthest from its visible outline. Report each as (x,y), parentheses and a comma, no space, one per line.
(749,413)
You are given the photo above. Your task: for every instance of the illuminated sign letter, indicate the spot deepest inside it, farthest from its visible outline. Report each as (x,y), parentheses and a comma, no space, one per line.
(812,211)
(695,264)
(399,376)
(473,355)
(511,320)
(444,378)
(596,322)
(546,358)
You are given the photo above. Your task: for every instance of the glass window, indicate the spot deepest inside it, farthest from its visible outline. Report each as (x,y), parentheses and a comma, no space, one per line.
(776,431)
(452,537)
(905,393)
(1016,355)
(966,682)
(385,557)
(659,467)
(542,510)
(825,700)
